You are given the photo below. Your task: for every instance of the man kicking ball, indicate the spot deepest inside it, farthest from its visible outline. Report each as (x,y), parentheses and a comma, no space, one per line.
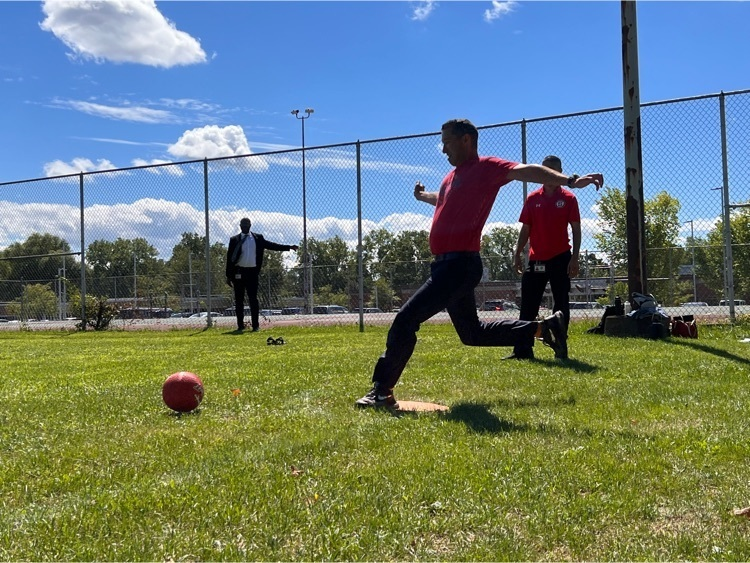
(462,206)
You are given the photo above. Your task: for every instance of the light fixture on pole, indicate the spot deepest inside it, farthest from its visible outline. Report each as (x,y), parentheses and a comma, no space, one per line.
(692,252)
(307,290)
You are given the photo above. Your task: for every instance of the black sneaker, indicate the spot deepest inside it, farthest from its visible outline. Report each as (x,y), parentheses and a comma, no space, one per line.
(375,399)
(555,335)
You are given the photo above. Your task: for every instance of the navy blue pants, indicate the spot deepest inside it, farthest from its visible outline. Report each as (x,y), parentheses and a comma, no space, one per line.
(450,286)
(532,290)
(248,284)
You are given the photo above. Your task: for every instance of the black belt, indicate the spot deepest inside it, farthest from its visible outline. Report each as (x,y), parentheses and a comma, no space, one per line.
(455,256)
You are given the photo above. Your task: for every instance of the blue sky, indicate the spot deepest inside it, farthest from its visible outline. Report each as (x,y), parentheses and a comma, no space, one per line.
(119,83)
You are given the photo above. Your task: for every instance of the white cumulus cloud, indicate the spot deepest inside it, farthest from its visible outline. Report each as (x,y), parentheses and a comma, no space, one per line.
(120,31)
(158,166)
(77,165)
(423,10)
(499,9)
(213,141)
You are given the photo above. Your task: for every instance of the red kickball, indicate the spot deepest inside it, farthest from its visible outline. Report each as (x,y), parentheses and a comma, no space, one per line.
(182,391)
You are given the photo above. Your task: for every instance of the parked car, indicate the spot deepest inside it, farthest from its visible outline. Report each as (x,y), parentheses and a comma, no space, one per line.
(367,310)
(329,309)
(499,305)
(292,310)
(694,304)
(229,312)
(268,312)
(724,302)
(204,314)
(182,315)
(585,305)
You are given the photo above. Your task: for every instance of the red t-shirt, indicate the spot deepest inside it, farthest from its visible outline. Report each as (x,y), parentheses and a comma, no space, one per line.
(464,203)
(548,217)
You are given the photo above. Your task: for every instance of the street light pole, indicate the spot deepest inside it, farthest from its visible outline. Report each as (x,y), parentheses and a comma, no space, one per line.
(306,266)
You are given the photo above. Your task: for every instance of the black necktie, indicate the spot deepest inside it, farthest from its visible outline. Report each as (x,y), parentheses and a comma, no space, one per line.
(238,249)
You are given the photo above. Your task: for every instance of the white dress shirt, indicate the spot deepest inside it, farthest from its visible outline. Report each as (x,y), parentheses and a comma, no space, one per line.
(247,255)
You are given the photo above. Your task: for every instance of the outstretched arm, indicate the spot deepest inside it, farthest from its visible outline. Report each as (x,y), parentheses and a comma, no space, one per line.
(542,175)
(421,195)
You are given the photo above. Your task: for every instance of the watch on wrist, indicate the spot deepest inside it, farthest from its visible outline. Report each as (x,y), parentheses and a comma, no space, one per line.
(572,179)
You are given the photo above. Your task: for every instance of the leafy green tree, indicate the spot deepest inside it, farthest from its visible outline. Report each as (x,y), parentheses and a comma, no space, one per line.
(126,265)
(331,264)
(376,246)
(709,258)
(37,301)
(612,240)
(383,296)
(186,268)
(407,261)
(28,261)
(498,247)
(663,256)
(272,283)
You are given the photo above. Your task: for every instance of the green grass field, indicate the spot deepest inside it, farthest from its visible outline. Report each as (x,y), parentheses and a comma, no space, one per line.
(631,450)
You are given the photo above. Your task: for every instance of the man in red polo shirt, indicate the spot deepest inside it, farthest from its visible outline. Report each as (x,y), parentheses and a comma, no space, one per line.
(462,206)
(545,217)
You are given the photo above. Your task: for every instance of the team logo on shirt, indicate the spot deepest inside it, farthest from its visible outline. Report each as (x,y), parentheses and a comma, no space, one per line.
(560,203)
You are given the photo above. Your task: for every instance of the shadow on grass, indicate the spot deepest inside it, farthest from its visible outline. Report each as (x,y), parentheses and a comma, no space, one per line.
(571,364)
(234,332)
(480,419)
(576,365)
(708,349)
(178,414)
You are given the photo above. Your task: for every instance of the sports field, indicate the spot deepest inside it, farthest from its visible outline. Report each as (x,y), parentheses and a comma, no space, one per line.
(632,450)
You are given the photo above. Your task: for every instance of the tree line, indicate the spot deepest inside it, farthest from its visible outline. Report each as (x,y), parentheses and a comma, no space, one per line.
(36,273)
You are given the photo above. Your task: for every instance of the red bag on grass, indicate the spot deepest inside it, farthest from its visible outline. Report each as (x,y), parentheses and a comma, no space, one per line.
(684,328)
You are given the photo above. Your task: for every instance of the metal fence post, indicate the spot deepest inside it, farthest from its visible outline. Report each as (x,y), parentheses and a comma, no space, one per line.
(728,260)
(360,265)
(83,257)
(208,245)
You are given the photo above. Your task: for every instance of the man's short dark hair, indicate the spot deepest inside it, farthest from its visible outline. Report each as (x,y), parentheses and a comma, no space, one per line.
(461,127)
(553,160)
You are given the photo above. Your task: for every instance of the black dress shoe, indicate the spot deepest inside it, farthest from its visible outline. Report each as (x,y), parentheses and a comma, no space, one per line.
(515,356)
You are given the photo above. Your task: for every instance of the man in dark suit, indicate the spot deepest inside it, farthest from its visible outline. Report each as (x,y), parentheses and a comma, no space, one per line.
(244,260)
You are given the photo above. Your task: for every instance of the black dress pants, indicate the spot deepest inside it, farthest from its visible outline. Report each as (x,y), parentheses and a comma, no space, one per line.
(533,284)
(450,286)
(247,284)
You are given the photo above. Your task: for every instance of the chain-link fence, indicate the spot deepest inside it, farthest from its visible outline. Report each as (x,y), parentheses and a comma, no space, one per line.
(153,239)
